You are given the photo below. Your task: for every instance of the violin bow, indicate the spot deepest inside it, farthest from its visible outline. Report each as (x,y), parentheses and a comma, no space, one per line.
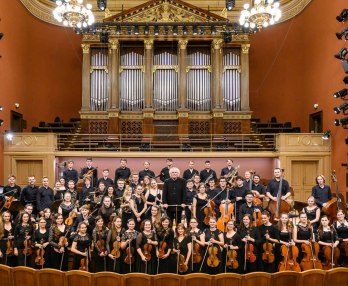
(205,254)
(192,243)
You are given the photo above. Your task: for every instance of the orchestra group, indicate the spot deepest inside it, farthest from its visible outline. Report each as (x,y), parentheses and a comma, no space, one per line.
(197,222)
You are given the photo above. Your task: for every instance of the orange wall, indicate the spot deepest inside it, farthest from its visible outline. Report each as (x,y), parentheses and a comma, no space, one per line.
(292,67)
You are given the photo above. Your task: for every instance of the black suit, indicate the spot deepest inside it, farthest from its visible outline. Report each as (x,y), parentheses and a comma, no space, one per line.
(188,174)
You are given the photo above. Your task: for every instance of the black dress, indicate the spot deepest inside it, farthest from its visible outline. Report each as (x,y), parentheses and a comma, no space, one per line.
(41,238)
(148,267)
(248,266)
(311,215)
(342,233)
(66,209)
(274,234)
(215,235)
(139,204)
(235,241)
(165,237)
(7,259)
(99,241)
(152,199)
(325,236)
(20,233)
(183,247)
(58,260)
(303,233)
(129,235)
(200,203)
(126,213)
(112,237)
(83,243)
(197,235)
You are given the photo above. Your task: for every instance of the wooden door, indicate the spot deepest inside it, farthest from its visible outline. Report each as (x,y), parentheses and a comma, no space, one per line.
(27,168)
(303,175)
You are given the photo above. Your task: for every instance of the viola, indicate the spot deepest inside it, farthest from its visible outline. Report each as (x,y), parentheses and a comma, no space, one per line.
(213,260)
(267,255)
(250,255)
(27,247)
(40,252)
(257,220)
(116,249)
(62,241)
(8,203)
(209,211)
(84,262)
(147,251)
(226,211)
(232,261)
(161,249)
(129,259)
(101,246)
(9,246)
(182,267)
(70,219)
(197,258)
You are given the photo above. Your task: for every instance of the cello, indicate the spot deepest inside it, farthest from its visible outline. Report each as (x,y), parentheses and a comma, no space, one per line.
(331,254)
(289,254)
(310,257)
(226,211)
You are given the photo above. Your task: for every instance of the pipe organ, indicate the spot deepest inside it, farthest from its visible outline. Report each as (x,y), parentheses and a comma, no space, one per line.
(141,79)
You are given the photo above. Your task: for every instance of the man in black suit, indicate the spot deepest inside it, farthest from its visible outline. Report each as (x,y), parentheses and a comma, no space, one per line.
(123,172)
(164,175)
(190,172)
(207,173)
(90,171)
(146,172)
(70,174)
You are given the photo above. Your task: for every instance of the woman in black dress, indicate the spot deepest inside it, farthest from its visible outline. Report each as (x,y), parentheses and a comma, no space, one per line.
(125,206)
(42,254)
(146,244)
(313,213)
(113,245)
(59,248)
(165,236)
(326,236)
(285,230)
(48,217)
(138,206)
(153,197)
(213,238)
(66,206)
(182,246)
(250,237)
(199,205)
(341,226)
(197,245)
(100,252)
(23,233)
(232,242)
(81,248)
(128,244)
(7,239)
(302,233)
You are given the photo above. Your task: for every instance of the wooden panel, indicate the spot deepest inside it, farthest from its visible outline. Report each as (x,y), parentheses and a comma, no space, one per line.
(136,279)
(107,278)
(78,278)
(51,277)
(227,279)
(167,279)
(26,168)
(315,276)
(21,274)
(303,175)
(338,276)
(5,275)
(285,278)
(257,278)
(198,279)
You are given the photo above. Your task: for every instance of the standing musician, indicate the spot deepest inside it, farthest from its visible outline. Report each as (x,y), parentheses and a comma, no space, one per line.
(99,193)
(269,236)
(247,180)
(58,240)
(238,195)
(86,218)
(196,181)
(200,202)
(58,194)
(155,217)
(113,245)
(138,206)
(257,188)
(225,195)
(321,192)
(213,192)
(81,248)
(134,181)
(250,208)
(123,172)
(125,211)
(197,245)
(70,174)
(45,196)
(341,226)
(105,179)
(146,184)
(119,190)
(182,248)
(226,171)
(190,194)
(313,213)
(213,238)
(165,236)
(29,193)
(90,172)
(66,206)
(146,172)
(22,240)
(7,240)
(153,197)
(87,191)
(302,233)
(62,184)
(48,218)
(100,252)
(190,172)
(207,173)
(128,243)
(250,239)
(285,228)
(41,236)
(164,174)
(146,244)
(107,211)
(110,192)
(233,244)
(75,195)
(12,190)
(174,194)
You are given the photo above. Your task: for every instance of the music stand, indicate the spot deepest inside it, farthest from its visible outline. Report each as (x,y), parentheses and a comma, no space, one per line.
(55,206)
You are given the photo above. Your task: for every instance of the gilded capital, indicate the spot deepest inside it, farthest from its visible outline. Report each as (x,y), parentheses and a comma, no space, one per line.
(148,44)
(85,48)
(217,44)
(114,44)
(245,48)
(182,44)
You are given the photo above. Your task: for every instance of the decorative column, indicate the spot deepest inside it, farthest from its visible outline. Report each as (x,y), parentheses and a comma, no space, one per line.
(148,111)
(245,78)
(183,112)
(114,86)
(86,77)
(218,110)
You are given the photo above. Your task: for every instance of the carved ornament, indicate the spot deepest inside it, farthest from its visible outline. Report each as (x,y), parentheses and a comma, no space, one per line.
(245,48)
(85,48)
(182,44)
(148,44)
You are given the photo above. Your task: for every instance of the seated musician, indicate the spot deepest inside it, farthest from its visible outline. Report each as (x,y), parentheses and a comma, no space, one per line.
(321,192)
(248,207)
(341,226)
(273,186)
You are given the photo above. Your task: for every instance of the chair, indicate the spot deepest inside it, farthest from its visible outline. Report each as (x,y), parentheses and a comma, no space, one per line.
(136,279)
(285,278)
(78,278)
(337,276)
(257,278)
(315,276)
(167,279)
(197,279)
(227,279)
(107,278)
(51,277)
(21,273)
(5,275)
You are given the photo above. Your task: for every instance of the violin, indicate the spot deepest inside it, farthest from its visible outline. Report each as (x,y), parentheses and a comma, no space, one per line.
(9,246)
(257,220)
(147,251)
(161,249)
(213,260)
(249,251)
(267,255)
(116,249)
(196,255)
(182,268)
(40,252)
(84,262)
(101,246)
(226,211)
(70,219)
(8,203)
(232,261)
(129,259)
(27,247)
(289,254)
(62,241)
(209,211)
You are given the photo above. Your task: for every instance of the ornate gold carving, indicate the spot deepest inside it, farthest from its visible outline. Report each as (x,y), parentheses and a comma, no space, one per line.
(148,44)
(238,68)
(217,44)
(245,48)
(200,116)
(107,13)
(122,68)
(113,114)
(90,38)
(148,114)
(85,48)
(183,114)
(165,67)
(240,38)
(165,117)
(237,116)
(93,68)
(182,44)
(114,44)
(224,13)
(218,114)
(188,68)
(131,116)
(94,116)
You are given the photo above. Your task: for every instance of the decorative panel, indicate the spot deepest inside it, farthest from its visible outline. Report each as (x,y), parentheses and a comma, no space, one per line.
(132,127)
(199,127)
(98,127)
(232,127)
